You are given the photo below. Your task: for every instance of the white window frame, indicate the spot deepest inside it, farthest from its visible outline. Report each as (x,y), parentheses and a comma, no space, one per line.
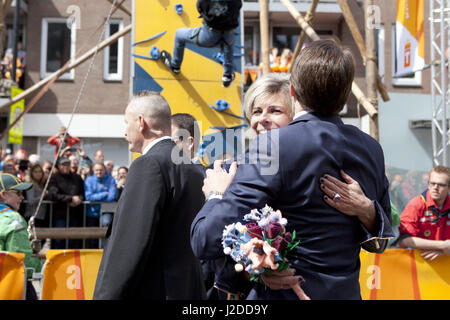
(381,57)
(119,75)
(406,82)
(44,40)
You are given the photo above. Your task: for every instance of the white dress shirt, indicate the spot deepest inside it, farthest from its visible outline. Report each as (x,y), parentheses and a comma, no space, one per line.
(151,144)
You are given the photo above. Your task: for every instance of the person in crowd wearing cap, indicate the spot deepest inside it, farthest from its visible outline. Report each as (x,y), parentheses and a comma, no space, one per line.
(425,222)
(13,227)
(66,188)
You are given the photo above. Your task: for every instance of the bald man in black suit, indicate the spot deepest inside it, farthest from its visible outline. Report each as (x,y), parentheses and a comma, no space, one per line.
(147,253)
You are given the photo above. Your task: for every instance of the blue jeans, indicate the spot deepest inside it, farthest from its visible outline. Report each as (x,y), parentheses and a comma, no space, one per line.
(203,37)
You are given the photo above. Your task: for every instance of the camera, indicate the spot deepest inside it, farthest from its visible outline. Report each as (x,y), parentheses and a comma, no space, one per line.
(23,165)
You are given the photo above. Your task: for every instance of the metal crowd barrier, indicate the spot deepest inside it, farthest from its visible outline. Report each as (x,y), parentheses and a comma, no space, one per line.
(84,232)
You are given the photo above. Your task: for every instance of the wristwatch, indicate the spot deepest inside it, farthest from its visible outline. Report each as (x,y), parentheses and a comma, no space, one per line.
(213,195)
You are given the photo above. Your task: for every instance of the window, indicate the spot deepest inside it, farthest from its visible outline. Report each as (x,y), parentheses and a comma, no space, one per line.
(57,46)
(285,37)
(251,44)
(379,39)
(113,55)
(414,79)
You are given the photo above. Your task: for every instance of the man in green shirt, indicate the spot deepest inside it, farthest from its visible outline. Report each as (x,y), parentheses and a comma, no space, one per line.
(13,227)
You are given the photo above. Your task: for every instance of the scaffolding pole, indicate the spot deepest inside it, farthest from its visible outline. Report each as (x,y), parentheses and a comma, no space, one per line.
(357,92)
(264,26)
(439,36)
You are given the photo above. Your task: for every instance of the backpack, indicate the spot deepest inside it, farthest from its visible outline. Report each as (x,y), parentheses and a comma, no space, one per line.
(220,15)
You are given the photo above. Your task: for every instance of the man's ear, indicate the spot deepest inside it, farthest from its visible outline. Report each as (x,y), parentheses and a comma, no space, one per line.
(142,123)
(191,143)
(2,194)
(292,91)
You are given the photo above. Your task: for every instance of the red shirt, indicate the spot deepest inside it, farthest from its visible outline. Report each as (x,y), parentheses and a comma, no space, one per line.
(56,141)
(419,219)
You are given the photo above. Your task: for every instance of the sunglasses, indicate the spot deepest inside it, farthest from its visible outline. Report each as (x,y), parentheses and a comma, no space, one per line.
(17,192)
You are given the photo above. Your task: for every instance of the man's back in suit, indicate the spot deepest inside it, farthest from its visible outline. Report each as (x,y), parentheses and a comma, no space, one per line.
(150,232)
(147,254)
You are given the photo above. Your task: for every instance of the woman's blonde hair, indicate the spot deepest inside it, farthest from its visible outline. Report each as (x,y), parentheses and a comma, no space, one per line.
(265,86)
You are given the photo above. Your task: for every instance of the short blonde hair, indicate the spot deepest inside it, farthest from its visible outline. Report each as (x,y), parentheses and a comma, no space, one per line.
(154,106)
(267,85)
(442,169)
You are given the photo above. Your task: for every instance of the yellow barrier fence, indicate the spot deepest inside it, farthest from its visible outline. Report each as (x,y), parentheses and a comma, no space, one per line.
(400,274)
(396,274)
(70,274)
(12,276)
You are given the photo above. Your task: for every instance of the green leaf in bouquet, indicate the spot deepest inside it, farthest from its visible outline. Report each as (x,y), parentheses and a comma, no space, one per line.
(293,235)
(283,265)
(292,246)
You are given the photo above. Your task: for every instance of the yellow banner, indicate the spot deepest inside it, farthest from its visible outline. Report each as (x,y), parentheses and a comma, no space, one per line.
(70,274)
(396,274)
(15,134)
(410,42)
(400,274)
(12,276)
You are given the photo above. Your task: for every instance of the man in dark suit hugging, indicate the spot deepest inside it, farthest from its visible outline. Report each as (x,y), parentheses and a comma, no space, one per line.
(147,252)
(304,156)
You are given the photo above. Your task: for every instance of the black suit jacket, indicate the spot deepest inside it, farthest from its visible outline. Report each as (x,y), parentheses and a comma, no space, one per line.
(147,253)
(287,178)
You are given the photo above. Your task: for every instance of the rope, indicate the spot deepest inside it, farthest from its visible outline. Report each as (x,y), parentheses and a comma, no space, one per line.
(31,226)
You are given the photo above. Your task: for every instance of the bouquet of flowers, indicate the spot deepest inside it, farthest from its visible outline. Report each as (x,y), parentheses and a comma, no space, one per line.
(261,245)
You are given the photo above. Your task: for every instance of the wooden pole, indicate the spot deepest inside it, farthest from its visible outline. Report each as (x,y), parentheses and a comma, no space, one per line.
(348,16)
(119,6)
(4,7)
(371,73)
(300,20)
(264,30)
(371,110)
(69,67)
(308,18)
(71,233)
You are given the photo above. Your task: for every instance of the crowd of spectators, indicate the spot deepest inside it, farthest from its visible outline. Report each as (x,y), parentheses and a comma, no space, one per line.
(75,182)
(405,185)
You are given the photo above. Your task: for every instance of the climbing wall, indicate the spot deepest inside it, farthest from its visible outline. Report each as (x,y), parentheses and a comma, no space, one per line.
(197,90)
